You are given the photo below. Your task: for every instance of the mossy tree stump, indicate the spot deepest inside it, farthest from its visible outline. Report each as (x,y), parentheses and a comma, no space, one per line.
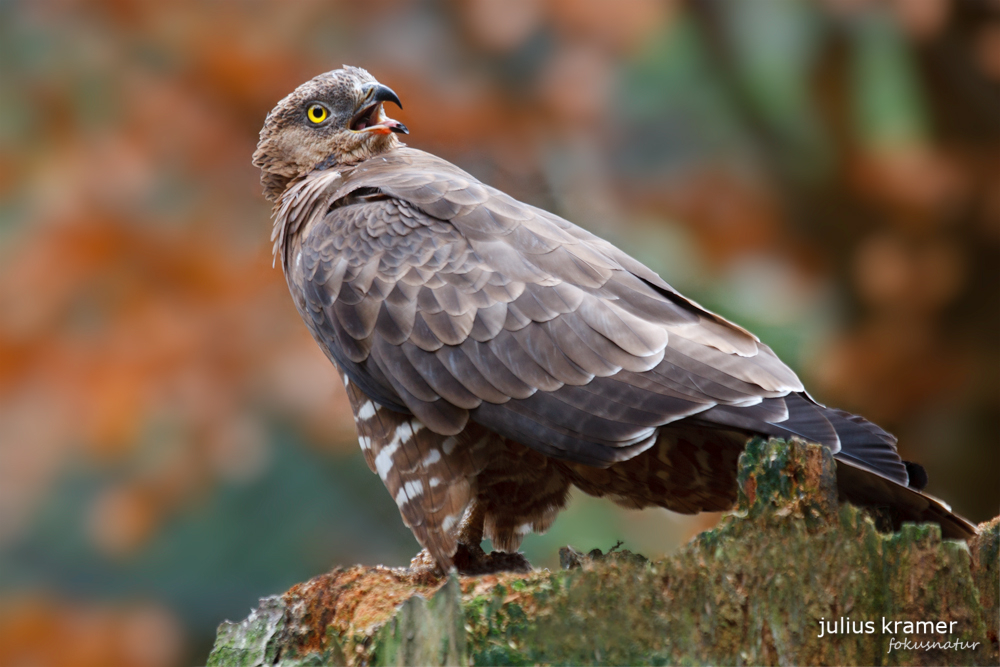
(753,590)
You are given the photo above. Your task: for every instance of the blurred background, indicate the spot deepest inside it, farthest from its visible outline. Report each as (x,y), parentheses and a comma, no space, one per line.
(173,445)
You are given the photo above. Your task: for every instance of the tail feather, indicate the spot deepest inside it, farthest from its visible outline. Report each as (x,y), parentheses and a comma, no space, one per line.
(896,502)
(866,443)
(846,435)
(870,471)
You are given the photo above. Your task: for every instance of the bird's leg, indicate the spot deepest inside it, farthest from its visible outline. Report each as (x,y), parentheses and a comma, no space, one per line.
(471,530)
(470,557)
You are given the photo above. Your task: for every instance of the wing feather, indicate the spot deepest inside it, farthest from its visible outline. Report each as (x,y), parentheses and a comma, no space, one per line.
(537,344)
(576,349)
(463,370)
(489,321)
(462,303)
(437,376)
(508,352)
(496,373)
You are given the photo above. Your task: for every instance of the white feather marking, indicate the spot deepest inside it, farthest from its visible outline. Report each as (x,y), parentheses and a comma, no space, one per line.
(365,442)
(367,411)
(405,431)
(383,462)
(448,523)
(523,529)
(449,444)
(432,457)
(435,481)
(409,491)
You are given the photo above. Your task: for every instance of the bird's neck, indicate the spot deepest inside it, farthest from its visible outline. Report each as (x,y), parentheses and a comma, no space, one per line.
(277,179)
(381,143)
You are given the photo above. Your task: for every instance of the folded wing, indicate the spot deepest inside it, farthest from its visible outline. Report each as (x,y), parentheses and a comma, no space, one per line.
(444,298)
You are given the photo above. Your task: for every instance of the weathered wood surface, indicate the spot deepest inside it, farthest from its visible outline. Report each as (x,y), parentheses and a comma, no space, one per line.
(753,590)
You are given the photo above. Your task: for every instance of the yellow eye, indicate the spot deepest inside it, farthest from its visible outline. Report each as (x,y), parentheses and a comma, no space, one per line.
(317,113)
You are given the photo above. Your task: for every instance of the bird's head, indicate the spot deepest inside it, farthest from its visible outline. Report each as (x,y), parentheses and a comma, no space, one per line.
(334,119)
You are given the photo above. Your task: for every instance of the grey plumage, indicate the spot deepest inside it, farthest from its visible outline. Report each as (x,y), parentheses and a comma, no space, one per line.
(491,340)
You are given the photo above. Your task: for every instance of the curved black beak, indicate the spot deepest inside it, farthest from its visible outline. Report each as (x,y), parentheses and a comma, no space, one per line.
(380,93)
(371,116)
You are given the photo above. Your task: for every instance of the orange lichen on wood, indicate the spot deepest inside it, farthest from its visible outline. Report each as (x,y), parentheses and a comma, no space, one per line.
(350,601)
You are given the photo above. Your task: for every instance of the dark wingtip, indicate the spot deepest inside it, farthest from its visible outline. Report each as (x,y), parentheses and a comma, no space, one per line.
(917,475)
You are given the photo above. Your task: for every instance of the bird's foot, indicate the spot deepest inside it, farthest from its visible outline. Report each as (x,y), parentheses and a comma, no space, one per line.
(423,561)
(471,560)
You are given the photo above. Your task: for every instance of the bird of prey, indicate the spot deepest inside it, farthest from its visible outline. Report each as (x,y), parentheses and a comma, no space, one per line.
(496,355)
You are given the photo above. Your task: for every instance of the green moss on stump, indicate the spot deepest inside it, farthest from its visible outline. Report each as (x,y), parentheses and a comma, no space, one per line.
(752,590)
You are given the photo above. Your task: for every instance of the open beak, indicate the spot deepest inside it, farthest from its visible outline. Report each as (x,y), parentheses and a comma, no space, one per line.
(371,117)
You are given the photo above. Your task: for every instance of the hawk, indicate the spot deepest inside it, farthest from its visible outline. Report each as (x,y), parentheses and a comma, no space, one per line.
(496,355)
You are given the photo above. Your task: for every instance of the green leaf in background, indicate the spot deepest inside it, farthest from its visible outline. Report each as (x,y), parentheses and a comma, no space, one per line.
(888,104)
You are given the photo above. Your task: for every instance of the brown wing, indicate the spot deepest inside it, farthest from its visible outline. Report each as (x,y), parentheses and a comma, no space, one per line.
(447,299)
